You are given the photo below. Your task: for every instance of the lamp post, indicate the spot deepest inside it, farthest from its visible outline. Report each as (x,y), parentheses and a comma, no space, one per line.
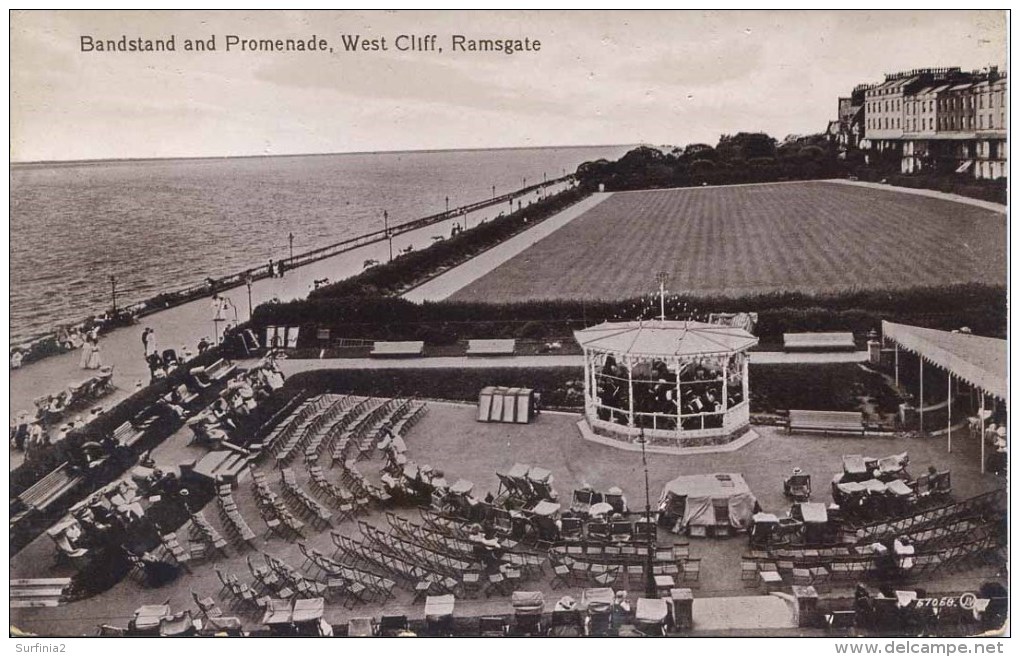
(447,205)
(649,575)
(113,292)
(386,226)
(247,282)
(291,239)
(493,192)
(661,277)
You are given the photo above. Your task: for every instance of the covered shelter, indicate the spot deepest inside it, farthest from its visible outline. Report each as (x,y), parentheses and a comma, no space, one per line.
(680,382)
(976,361)
(707,500)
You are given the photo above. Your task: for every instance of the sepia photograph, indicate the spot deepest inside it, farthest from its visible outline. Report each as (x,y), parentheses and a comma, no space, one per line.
(510,323)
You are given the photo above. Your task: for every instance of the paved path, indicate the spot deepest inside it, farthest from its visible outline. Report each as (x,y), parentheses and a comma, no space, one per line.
(186,325)
(292,366)
(450,281)
(930,193)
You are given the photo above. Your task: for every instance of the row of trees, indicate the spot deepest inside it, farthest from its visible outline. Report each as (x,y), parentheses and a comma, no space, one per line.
(740,158)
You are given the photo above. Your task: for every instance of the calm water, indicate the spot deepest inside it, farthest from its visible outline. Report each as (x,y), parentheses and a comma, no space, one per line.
(168,224)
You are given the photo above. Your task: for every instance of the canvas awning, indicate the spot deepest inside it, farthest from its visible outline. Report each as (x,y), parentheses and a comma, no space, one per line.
(979,361)
(702,492)
(665,338)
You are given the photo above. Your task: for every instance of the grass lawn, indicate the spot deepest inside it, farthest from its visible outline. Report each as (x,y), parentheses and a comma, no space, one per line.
(811,236)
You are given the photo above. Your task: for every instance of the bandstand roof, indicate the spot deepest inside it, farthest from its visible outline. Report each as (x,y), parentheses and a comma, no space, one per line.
(665,338)
(979,361)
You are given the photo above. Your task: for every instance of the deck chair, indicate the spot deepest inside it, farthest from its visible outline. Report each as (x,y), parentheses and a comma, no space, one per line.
(583,500)
(572,529)
(390,626)
(566,623)
(798,487)
(598,531)
(493,626)
(206,606)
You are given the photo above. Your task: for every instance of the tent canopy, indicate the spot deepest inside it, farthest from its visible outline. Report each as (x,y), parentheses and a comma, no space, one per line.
(703,492)
(665,338)
(979,361)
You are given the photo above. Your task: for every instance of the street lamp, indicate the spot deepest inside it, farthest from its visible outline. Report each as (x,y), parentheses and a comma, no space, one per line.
(113,292)
(247,282)
(661,277)
(386,226)
(447,205)
(291,238)
(649,575)
(493,192)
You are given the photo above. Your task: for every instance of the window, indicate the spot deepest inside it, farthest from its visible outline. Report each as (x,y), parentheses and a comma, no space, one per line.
(981,101)
(931,105)
(981,121)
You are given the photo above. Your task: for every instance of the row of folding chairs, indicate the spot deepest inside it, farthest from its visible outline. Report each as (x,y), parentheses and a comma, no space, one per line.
(286,429)
(435,561)
(460,528)
(414,413)
(373,423)
(277,517)
(399,568)
(364,490)
(429,537)
(343,500)
(241,593)
(308,506)
(357,584)
(338,437)
(623,554)
(315,434)
(203,532)
(347,444)
(303,587)
(353,408)
(325,408)
(988,504)
(237,528)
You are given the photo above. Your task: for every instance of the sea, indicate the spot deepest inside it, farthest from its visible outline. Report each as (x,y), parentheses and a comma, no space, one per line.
(159,225)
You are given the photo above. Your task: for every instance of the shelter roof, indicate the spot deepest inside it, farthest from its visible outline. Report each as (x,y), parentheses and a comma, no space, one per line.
(979,361)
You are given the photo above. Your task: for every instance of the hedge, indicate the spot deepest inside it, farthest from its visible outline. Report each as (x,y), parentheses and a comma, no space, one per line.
(809,386)
(980,307)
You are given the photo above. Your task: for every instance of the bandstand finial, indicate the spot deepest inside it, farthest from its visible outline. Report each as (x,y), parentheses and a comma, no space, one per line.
(661,277)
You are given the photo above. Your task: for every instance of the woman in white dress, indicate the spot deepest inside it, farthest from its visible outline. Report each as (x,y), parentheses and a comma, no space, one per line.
(90,355)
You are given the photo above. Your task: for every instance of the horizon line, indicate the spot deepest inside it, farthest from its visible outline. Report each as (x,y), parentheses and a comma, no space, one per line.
(14,163)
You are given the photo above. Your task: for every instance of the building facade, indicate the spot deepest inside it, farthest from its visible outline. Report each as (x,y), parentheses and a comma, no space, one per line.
(936,120)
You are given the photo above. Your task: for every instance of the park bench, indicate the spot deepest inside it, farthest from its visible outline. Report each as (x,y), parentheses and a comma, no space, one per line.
(219,370)
(491,347)
(127,435)
(397,349)
(41,592)
(818,342)
(50,488)
(826,421)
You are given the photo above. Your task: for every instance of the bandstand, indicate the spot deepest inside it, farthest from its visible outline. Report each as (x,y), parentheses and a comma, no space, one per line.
(678,383)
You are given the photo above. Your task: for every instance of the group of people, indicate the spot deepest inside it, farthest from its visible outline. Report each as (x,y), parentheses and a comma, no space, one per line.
(655,392)
(239,399)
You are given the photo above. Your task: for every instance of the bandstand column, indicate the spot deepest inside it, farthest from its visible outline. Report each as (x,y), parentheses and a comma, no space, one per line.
(679,401)
(725,383)
(744,385)
(949,414)
(920,400)
(981,413)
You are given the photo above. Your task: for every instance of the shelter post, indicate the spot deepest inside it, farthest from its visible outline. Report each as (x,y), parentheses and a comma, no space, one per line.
(744,385)
(896,362)
(981,413)
(949,414)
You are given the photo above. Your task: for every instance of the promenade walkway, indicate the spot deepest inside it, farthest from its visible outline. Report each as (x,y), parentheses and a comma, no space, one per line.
(930,193)
(293,366)
(186,325)
(454,279)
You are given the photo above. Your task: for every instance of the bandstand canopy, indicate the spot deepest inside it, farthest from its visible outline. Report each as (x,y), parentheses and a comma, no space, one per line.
(665,338)
(981,362)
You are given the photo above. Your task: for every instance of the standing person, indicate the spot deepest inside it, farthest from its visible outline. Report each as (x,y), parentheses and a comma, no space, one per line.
(272,269)
(149,341)
(280,268)
(90,359)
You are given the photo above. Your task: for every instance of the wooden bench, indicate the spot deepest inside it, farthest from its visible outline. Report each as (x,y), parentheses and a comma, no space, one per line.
(397,349)
(826,421)
(50,488)
(818,342)
(127,435)
(491,347)
(219,370)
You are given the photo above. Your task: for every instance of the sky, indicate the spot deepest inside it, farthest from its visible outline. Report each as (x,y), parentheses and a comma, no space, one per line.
(599,78)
